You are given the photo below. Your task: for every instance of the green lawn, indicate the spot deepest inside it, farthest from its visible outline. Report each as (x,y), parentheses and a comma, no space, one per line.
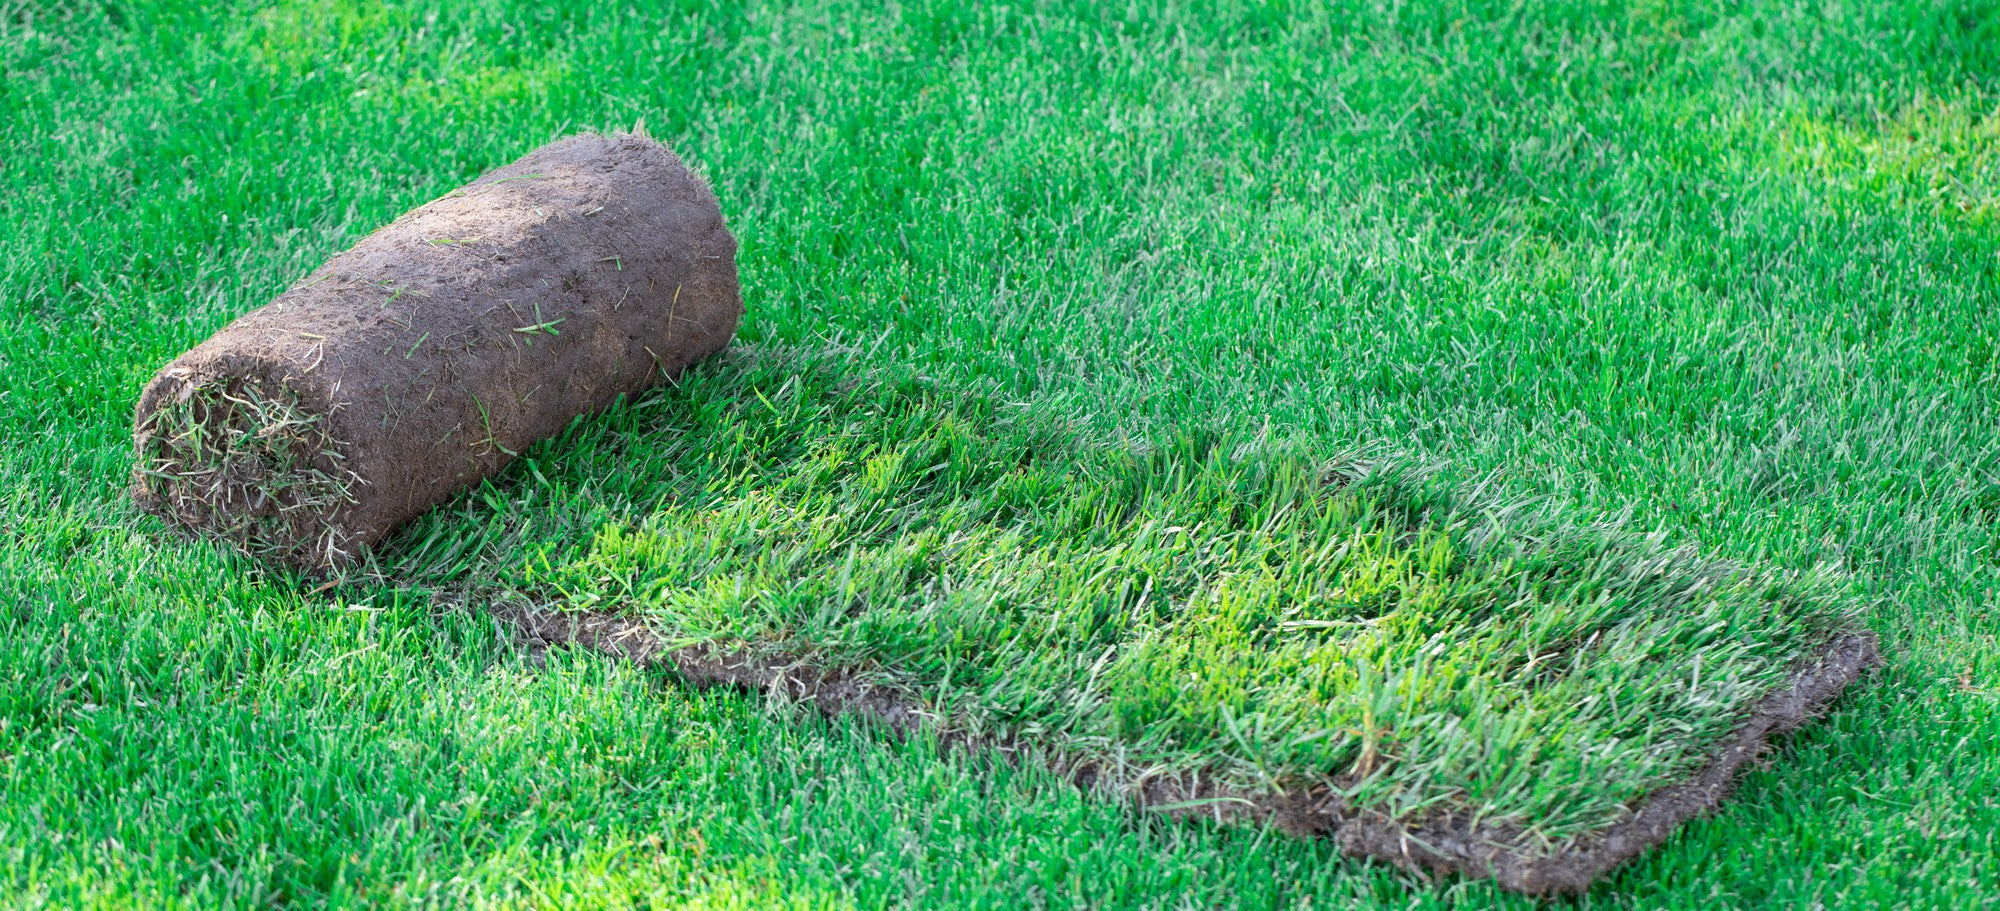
(1042,296)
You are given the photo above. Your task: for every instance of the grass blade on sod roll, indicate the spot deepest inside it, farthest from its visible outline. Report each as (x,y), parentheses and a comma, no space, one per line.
(438,348)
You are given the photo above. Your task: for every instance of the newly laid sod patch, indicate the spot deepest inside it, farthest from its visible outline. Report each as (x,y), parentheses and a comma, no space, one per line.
(1215,608)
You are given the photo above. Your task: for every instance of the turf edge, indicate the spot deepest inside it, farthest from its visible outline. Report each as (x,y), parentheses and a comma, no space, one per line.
(1447,844)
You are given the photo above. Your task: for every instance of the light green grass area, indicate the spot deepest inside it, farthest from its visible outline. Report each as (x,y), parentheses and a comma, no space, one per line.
(1724,273)
(1201,605)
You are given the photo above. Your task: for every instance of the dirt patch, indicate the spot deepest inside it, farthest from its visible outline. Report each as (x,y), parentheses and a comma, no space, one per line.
(1443,844)
(429,355)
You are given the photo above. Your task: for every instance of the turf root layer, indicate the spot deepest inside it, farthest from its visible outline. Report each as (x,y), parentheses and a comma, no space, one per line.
(1446,844)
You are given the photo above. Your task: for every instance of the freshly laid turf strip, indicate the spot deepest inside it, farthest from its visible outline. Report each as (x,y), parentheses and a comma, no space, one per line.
(1220,626)
(430,354)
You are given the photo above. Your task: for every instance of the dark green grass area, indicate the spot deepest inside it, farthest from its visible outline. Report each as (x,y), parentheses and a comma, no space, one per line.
(1725,273)
(1197,604)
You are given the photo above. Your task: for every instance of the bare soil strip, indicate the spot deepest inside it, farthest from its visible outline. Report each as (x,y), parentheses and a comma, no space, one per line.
(1442,844)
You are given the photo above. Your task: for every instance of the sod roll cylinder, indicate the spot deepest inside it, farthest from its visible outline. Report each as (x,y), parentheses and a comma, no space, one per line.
(437,349)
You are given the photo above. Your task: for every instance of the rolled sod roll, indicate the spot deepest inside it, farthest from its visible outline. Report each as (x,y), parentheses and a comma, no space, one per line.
(433,352)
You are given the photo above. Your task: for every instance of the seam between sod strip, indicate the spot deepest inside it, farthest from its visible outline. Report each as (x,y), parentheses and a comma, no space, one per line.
(1446,843)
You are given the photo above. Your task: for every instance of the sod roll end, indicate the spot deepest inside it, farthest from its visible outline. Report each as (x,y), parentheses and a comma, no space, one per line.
(429,355)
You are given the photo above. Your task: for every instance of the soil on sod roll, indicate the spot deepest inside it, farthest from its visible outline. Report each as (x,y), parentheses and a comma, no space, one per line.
(430,354)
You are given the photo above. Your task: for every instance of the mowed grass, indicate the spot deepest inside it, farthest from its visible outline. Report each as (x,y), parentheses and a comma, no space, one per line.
(1726,273)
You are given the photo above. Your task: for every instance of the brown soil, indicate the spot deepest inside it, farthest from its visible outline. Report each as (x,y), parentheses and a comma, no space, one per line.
(438,348)
(1444,844)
